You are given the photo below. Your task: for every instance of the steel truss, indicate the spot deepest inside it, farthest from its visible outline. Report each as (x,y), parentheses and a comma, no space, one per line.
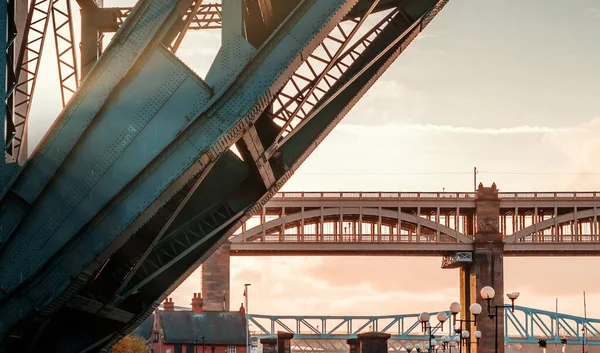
(192,208)
(204,16)
(525,325)
(64,43)
(352,58)
(10,77)
(163,253)
(30,55)
(21,81)
(28,66)
(341,54)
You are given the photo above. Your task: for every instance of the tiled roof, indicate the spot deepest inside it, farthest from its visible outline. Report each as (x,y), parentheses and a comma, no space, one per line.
(218,328)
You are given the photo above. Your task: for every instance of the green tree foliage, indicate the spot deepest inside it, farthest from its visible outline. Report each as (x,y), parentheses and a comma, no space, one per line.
(129,344)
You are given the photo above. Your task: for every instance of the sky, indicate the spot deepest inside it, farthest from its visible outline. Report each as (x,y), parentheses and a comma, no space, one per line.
(508,86)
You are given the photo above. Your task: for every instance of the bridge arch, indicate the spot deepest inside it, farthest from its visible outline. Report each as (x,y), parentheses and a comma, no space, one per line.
(551,222)
(294,218)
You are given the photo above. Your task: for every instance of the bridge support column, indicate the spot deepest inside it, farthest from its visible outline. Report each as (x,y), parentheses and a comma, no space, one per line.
(284,342)
(468,293)
(487,269)
(215,280)
(269,345)
(353,345)
(373,342)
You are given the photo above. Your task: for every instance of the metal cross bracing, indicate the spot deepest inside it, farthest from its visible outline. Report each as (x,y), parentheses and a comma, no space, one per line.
(28,57)
(137,182)
(525,325)
(545,223)
(205,16)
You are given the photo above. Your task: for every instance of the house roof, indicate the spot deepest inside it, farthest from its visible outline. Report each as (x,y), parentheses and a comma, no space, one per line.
(218,328)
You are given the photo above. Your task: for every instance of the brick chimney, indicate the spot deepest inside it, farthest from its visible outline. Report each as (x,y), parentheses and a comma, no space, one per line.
(197,304)
(168,305)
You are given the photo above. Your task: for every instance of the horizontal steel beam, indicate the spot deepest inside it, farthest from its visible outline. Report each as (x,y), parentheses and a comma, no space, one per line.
(405,249)
(343,249)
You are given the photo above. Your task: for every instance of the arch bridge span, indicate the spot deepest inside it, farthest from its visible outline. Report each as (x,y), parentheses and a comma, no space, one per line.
(419,223)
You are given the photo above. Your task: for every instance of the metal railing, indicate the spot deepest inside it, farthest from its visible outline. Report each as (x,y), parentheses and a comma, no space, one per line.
(433,195)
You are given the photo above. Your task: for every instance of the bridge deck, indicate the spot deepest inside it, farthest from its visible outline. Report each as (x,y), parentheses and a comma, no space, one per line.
(419,223)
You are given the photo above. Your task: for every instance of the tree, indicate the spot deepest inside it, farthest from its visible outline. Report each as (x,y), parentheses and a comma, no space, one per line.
(129,344)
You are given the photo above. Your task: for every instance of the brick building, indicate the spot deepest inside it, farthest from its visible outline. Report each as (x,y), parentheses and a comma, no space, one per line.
(197,331)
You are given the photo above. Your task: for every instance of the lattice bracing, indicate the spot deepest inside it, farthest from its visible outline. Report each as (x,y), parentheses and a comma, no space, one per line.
(322,69)
(206,16)
(64,41)
(11,80)
(309,89)
(525,325)
(27,70)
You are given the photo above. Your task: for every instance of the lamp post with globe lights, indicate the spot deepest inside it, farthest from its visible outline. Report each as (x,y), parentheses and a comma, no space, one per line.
(460,329)
(488,293)
(442,317)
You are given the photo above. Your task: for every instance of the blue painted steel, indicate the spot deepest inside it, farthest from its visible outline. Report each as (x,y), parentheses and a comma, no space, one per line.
(3,75)
(141,127)
(525,325)
(74,174)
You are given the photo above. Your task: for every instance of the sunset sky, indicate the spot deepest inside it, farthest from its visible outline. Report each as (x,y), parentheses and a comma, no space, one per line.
(509,86)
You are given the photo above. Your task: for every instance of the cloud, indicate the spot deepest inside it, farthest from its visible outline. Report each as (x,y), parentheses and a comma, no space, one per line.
(449,129)
(594,12)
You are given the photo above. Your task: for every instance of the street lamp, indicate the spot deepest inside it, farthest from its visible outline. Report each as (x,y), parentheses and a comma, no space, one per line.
(247,313)
(442,317)
(488,293)
(426,327)
(445,341)
(463,335)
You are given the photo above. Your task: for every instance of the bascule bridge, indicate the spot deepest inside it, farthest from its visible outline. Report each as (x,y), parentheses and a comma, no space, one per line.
(149,168)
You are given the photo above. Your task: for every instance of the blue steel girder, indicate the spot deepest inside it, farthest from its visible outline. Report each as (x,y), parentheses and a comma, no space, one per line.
(526,325)
(75,220)
(193,260)
(146,142)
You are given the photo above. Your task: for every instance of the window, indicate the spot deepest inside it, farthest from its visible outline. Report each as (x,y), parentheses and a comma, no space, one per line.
(231,349)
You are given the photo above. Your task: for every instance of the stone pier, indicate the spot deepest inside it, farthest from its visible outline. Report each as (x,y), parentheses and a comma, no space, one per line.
(373,342)
(353,345)
(215,280)
(284,342)
(487,269)
(269,344)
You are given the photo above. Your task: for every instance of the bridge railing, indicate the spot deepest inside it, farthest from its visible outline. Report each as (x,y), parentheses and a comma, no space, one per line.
(525,325)
(289,195)
(374,195)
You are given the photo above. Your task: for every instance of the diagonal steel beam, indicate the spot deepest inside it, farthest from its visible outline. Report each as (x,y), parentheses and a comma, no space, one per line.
(64,42)
(183,254)
(332,61)
(30,55)
(189,19)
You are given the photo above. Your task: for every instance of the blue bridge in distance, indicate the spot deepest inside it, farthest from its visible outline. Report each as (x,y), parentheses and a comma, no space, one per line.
(523,326)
